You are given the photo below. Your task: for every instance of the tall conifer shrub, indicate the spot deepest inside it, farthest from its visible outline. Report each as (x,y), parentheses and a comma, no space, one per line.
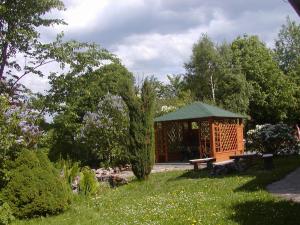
(141,112)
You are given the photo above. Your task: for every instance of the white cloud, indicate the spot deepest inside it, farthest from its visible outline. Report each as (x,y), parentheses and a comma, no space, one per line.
(156,37)
(81,15)
(168,51)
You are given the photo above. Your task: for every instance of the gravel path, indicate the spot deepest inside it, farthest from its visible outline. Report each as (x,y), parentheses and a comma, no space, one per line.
(288,188)
(163,167)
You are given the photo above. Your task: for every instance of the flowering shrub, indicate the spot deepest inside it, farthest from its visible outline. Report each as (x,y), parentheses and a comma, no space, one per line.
(96,137)
(17,131)
(277,139)
(167,109)
(104,132)
(18,126)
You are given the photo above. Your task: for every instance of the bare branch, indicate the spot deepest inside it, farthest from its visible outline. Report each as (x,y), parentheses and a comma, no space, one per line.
(28,72)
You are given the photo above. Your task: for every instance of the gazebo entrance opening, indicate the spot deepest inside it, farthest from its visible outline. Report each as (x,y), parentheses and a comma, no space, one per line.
(184,139)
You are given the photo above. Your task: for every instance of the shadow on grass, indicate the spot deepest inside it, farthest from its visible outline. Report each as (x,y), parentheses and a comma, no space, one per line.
(266,213)
(282,167)
(203,173)
(260,177)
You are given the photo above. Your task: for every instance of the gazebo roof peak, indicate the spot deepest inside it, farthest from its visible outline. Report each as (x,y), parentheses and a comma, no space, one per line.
(197,110)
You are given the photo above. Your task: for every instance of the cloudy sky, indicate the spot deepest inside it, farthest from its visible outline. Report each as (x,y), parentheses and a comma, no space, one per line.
(155,37)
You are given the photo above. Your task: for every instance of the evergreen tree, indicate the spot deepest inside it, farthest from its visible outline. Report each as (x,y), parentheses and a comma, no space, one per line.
(141,134)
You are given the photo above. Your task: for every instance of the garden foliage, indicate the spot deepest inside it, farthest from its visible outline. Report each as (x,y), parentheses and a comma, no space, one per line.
(141,146)
(34,187)
(88,184)
(277,139)
(82,180)
(6,215)
(18,130)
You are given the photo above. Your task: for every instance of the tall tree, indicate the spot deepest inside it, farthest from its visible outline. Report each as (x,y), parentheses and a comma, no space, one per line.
(287,53)
(273,93)
(72,96)
(287,46)
(202,70)
(212,77)
(171,95)
(233,88)
(141,112)
(19,37)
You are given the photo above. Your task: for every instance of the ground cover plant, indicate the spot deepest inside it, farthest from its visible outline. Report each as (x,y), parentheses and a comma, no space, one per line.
(187,197)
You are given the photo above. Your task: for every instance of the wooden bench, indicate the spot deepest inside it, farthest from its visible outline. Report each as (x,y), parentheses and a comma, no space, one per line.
(222,163)
(236,158)
(208,162)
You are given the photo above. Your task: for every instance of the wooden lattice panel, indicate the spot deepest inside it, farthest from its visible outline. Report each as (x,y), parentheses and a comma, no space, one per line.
(228,137)
(174,135)
(159,139)
(204,136)
(225,137)
(217,138)
(204,129)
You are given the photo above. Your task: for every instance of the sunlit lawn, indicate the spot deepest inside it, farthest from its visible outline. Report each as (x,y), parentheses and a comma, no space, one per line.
(184,197)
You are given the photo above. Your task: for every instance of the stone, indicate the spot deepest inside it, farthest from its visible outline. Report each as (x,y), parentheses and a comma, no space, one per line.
(115,181)
(224,169)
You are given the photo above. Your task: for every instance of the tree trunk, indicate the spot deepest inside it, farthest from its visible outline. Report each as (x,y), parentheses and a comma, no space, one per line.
(4,59)
(212,85)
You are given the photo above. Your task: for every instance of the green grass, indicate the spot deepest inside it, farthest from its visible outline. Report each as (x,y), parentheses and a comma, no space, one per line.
(187,197)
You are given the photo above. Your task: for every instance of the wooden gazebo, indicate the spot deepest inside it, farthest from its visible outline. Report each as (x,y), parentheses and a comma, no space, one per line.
(198,130)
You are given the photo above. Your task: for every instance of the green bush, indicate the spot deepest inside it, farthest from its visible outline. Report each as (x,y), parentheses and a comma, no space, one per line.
(35,188)
(70,170)
(88,184)
(6,215)
(272,138)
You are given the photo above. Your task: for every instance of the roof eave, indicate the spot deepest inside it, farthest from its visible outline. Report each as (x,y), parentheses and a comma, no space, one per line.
(202,118)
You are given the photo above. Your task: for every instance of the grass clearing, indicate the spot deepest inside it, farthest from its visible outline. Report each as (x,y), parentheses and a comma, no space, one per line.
(187,197)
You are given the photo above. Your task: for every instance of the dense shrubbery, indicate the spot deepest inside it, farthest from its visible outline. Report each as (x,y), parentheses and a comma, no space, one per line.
(82,180)
(96,133)
(88,184)
(6,215)
(277,139)
(18,130)
(35,188)
(105,131)
(95,127)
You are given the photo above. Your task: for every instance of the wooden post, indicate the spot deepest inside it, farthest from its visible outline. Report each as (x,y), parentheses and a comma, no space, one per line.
(240,138)
(156,142)
(212,138)
(165,141)
(199,138)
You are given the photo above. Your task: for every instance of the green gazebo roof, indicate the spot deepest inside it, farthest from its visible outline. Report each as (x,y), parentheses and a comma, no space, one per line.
(197,110)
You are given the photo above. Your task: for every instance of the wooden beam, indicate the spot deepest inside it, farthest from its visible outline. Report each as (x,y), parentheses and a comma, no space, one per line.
(165,141)
(199,137)
(156,142)
(212,137)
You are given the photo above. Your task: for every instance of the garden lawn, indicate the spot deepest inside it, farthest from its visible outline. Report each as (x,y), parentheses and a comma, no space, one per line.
(187,197)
